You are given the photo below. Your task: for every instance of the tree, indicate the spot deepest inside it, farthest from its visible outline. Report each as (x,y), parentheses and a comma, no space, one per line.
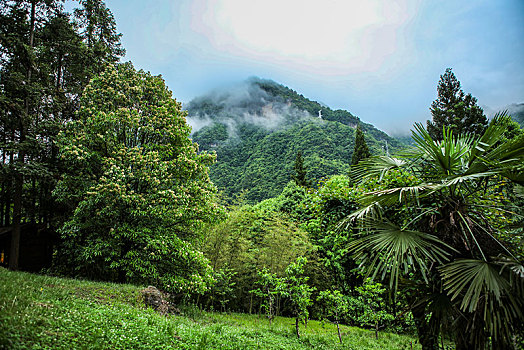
(370,296)
(138,188)
(98,29)
(43,71)
(335,306)
(294,286)
(361,150)
(300,175)
(252,239)
(455,110)
(22,97)
(269,286)
(437,224)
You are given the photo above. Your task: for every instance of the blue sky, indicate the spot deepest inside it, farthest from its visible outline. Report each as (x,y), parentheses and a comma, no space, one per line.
(379,59)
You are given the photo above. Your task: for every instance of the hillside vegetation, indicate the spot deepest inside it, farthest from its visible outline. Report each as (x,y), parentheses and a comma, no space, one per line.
(258,128)
(42,312)
(101,181)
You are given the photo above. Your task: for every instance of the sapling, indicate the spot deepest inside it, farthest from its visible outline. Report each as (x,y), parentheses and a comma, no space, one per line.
(295,288)
(268,288)
(335,306)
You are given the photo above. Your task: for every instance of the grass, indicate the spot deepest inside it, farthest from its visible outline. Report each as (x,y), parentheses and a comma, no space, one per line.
(42,312)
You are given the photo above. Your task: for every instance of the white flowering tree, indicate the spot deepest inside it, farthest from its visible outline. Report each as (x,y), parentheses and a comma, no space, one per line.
(137,189)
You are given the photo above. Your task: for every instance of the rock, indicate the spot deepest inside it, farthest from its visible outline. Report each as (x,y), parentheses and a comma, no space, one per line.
(157,300)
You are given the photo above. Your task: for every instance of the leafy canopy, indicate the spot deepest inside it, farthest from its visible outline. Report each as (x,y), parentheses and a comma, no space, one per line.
(137,186)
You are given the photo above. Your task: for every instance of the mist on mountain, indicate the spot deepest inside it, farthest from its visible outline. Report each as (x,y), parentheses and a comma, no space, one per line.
(257,127)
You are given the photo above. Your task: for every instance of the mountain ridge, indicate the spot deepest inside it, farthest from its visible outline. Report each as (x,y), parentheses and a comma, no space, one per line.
(257,127)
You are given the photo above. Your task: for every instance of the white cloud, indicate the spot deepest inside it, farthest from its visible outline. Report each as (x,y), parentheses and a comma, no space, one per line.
(333,37)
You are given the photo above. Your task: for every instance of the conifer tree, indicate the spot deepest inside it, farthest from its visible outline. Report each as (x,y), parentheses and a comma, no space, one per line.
(44,67)
(98,29)
(454,109)
(300,176)
(361,150)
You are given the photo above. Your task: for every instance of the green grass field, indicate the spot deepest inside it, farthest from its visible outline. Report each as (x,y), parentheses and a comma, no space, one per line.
(42,312)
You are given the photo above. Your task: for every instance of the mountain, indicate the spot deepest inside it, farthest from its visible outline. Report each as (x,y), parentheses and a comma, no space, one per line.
(257,128)
(516,110)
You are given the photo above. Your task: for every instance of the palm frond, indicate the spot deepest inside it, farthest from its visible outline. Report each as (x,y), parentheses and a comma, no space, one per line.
(373,211)
(485,287)
(491,136)
(472,278)
(458,179)
(391,249)
(375,166)
(391,196)
(506,158)
(446,156)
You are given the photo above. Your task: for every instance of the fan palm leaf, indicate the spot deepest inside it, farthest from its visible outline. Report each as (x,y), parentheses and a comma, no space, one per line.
(484,286)
(377,166)
(453,180)
(397,251)
(446,156)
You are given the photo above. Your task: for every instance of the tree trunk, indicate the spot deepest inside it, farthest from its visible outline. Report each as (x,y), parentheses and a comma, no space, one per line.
(338,330)
(427,337)
(14,253)
(296,328)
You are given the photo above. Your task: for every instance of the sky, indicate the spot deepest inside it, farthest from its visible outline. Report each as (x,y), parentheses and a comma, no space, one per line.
(379,59)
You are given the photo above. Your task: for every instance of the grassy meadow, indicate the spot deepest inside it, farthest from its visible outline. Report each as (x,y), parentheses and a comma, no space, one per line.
(42,312)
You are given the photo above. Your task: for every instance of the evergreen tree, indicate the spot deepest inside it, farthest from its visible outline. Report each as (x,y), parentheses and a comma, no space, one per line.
(22,98)
(300,175)
(98,29)
(44,67)
(361,150)
(454,109)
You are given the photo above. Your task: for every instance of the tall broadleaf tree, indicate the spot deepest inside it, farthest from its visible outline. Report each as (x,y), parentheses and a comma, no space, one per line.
(138,187)
(454,109)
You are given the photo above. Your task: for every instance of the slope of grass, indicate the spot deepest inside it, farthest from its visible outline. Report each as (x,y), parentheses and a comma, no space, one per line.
(42,312)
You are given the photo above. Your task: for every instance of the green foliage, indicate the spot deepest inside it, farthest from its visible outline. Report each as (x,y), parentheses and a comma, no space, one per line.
(49,312)
(98,28)
(455,110)
(269,287)
(296,289)
(371,308)
(222,288)
(44,68)
(252,239)
(360,150)
(332,201)
(300,175)
(335,304)
(137,187)
(259,153)
(435,230)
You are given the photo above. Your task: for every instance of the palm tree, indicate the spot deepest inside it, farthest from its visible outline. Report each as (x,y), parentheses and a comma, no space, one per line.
(436,231)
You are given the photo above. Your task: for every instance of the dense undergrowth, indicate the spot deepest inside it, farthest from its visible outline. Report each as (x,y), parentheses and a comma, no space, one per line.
(43,312)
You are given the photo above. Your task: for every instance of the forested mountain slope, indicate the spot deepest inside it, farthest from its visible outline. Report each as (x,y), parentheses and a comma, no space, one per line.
(258,127)
(516,110)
